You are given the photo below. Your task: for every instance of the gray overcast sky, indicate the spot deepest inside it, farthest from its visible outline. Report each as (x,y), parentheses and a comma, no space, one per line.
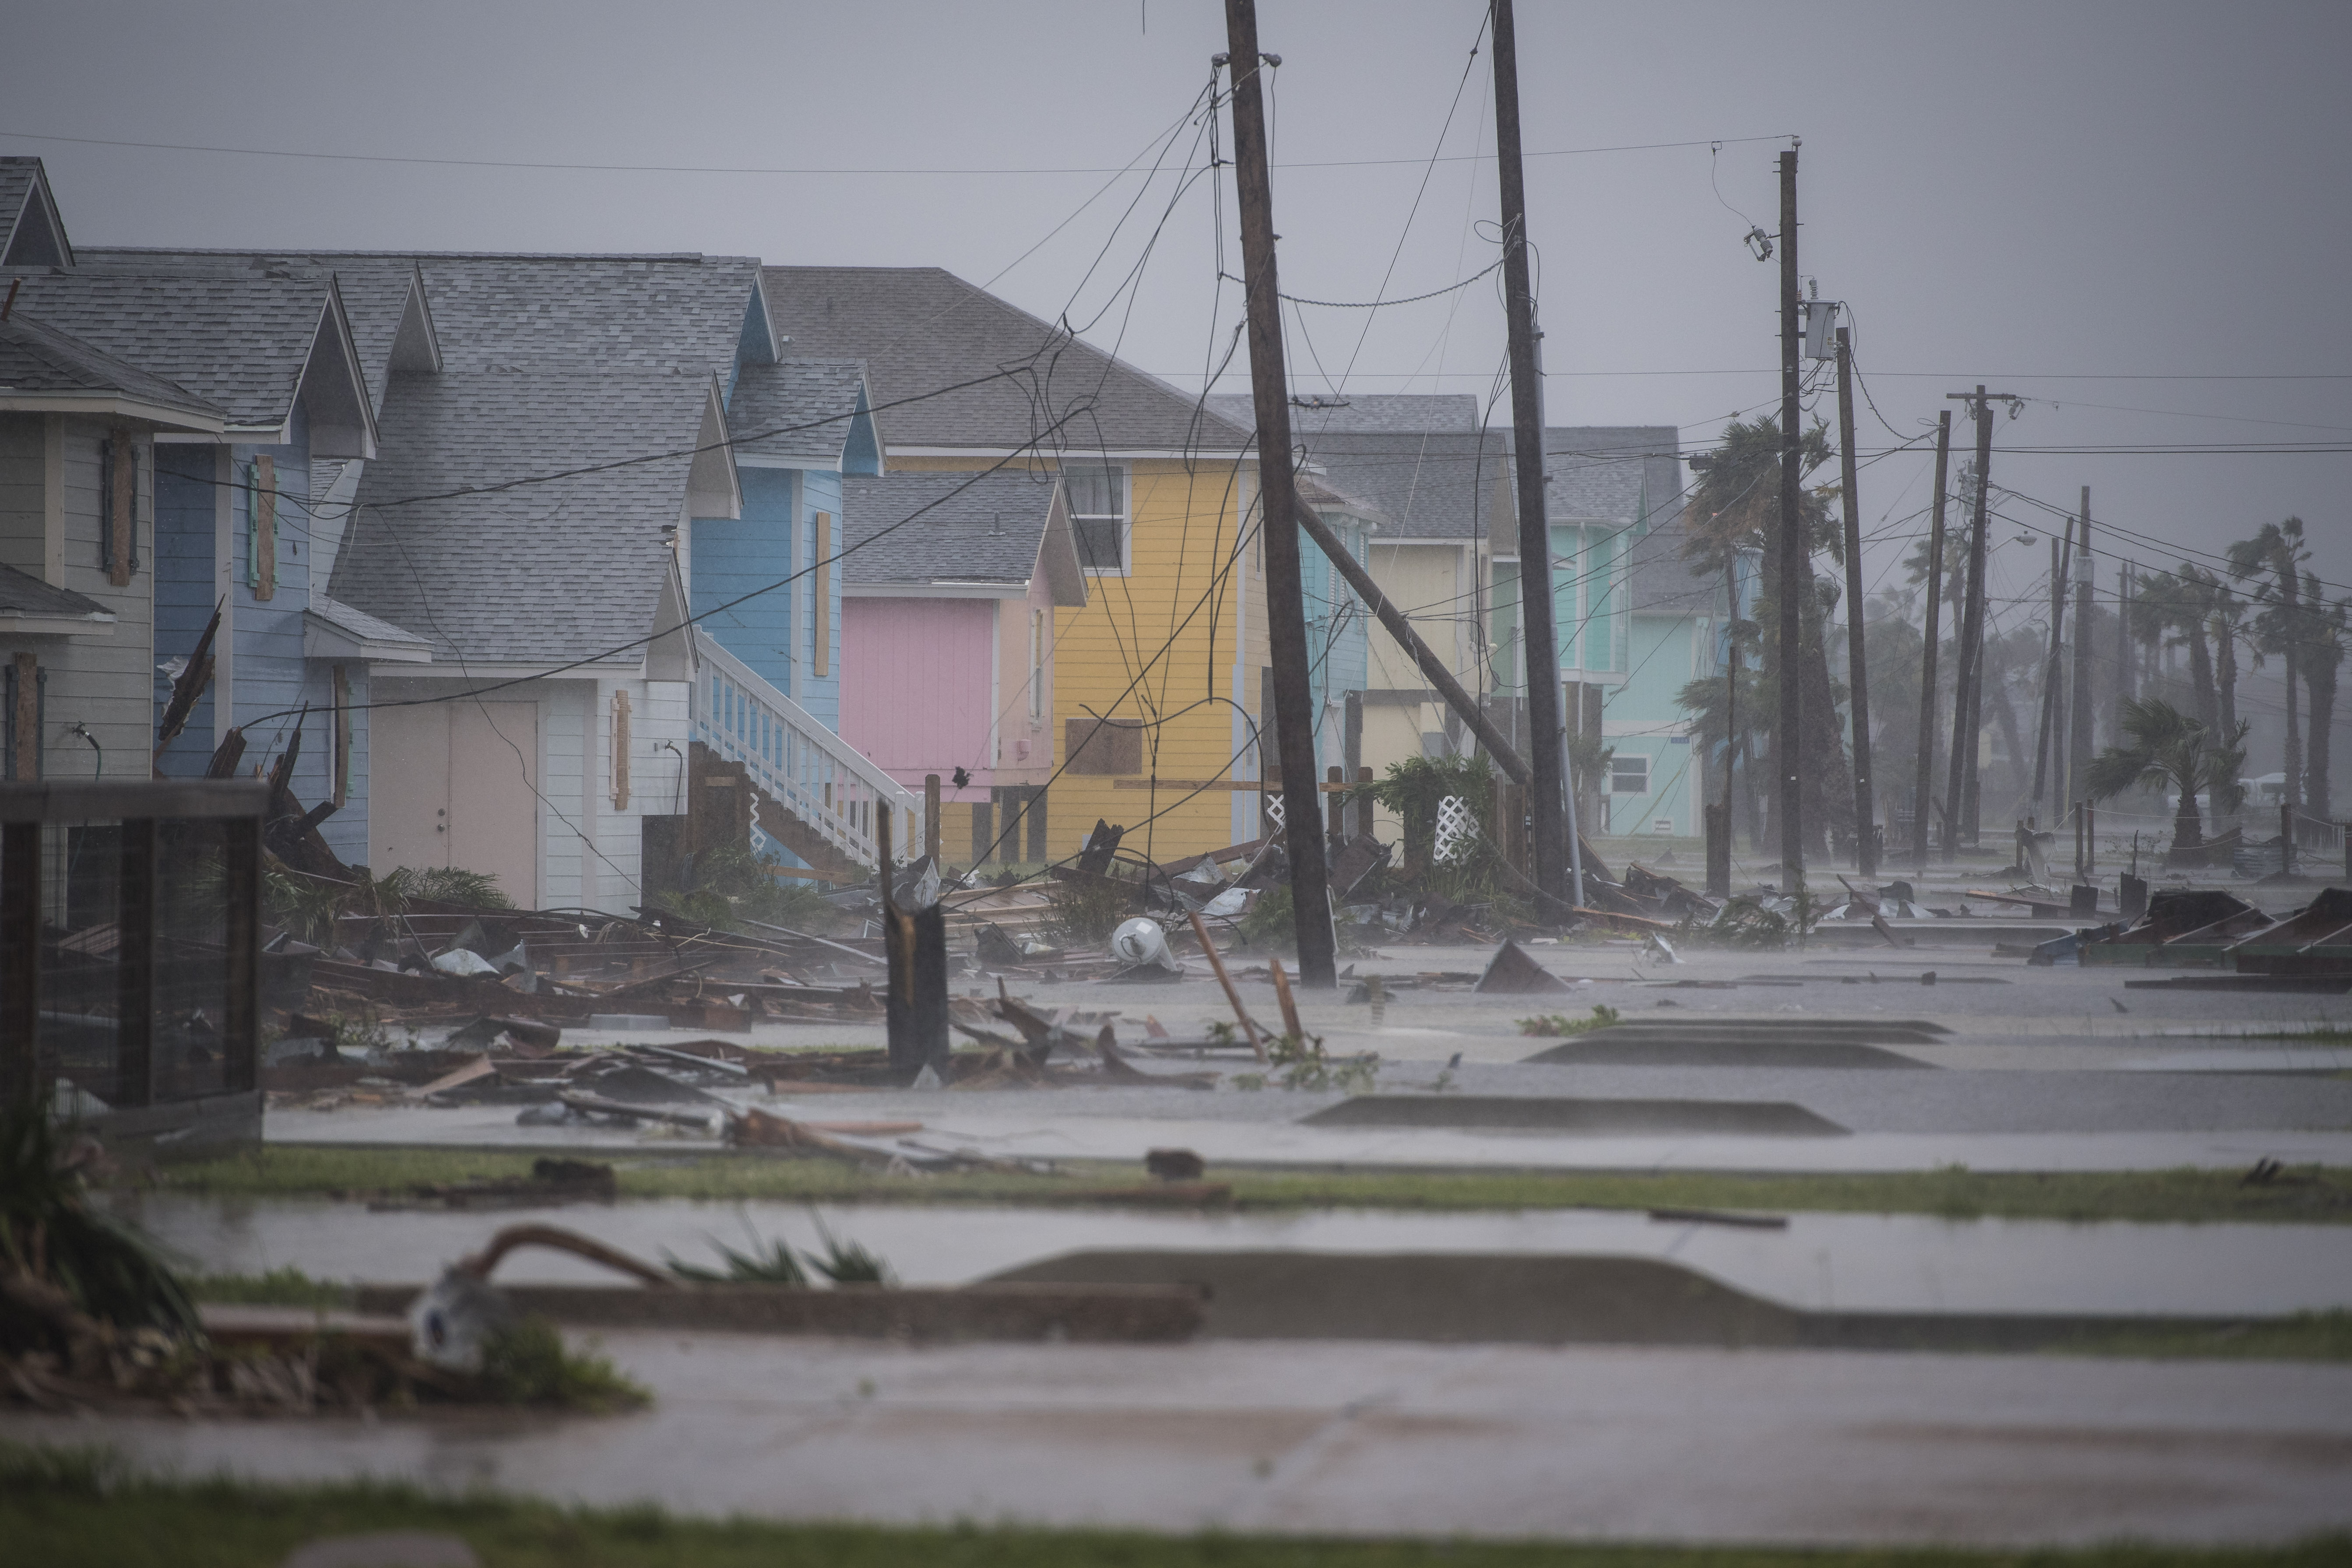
(2046,198)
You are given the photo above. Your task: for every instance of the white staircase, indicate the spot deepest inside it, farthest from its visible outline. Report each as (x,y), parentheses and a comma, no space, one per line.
(807,768)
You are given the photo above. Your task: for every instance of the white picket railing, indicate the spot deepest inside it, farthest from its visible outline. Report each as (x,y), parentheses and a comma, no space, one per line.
(806,767)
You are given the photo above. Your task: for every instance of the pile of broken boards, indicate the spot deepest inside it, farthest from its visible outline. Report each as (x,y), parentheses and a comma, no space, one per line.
(2208,929)
(435,963)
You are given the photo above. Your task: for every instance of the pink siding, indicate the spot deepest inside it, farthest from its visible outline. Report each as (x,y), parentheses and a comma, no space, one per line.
(914,684)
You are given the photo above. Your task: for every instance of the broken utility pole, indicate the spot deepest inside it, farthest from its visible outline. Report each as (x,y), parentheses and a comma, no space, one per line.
(1857,665)
(1278,510)
(1550,842)
(1924,789)
(1968,689)
(1796,577)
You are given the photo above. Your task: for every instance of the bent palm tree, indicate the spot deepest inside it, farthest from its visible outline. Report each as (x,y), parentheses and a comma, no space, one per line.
(2165,748)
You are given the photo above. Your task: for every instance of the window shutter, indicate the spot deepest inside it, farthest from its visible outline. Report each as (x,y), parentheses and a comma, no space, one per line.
(261,529)
(821,623)
(342,680)
(620,750)
(28,697)
(118,508)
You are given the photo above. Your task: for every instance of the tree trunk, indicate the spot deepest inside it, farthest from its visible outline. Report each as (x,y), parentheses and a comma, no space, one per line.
(2188,828)
(2225,680)
(2201,674)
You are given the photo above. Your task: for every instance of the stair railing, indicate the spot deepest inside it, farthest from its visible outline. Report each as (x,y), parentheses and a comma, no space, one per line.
(806,767)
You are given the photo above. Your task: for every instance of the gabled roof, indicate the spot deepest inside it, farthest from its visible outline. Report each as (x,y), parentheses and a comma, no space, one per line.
(919,530)
(47,370)
(1365,413)
(252,346)
(384,297)
(32,234)
(920,329)
(1419,461)
(800,411)
(545,570)
(24,598)
(1614,472)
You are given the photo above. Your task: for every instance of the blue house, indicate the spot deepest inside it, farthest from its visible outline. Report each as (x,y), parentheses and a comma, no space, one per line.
(242,519)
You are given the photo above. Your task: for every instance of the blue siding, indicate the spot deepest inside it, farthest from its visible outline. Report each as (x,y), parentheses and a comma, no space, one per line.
(183,587)
(735,557)
(1337,638)
(821,695)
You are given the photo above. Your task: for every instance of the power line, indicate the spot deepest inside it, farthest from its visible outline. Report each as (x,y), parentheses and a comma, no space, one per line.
(814,170)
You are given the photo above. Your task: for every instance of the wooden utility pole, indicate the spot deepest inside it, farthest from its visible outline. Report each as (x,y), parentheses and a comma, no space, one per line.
(1968,693)
(1925,787)
(2061,554)
(2078,746)
(1294,713)
(2126,687)
(1718,863)
(1866,832)
(1550,844)
(1795,576)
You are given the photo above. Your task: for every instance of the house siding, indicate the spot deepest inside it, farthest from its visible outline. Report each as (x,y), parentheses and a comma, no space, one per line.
(916,685)
(1157,645)
(733,557)
(99,682)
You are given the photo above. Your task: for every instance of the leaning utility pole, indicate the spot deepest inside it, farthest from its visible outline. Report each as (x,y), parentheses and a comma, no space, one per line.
(1925,788)
(1795,576)
(2078,748)
(1866,832)
(1550,844)
(1968,695)
(1294,713)
(2125,685)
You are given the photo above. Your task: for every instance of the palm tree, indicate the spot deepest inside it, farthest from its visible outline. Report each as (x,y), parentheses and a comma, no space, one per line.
(2279,550)
(2173,609)
(2324,632)
(2165,748)
(1735,506)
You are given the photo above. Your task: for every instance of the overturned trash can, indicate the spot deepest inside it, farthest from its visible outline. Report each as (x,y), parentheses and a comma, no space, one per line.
(130,955)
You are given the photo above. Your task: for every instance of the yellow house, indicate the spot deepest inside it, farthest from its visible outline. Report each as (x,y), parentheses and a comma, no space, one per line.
(1158,680)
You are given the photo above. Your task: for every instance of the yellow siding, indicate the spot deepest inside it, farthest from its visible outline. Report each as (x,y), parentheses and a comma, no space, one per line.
(1157,645)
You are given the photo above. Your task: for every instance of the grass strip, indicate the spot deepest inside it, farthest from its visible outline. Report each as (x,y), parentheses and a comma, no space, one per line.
(2303,1194)
(78,1506)
(2306,1336)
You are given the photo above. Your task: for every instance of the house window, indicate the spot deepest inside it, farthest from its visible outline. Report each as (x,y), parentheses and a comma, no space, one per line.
(1097,498)
(1629,774)
(1037,664)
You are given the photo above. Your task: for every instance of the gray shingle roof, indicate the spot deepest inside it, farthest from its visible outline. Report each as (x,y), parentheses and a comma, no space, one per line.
(1434,486)
(359,623)
(374,290)
(38,357)
(237,341)
(987,531)
(1363,413)
(920,329)
(21,594)
(552,311)
(797,409)
(1602,464)
(24,182)
(545,571)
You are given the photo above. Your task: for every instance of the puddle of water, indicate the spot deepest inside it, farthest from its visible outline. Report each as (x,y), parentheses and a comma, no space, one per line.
(1862,1262)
